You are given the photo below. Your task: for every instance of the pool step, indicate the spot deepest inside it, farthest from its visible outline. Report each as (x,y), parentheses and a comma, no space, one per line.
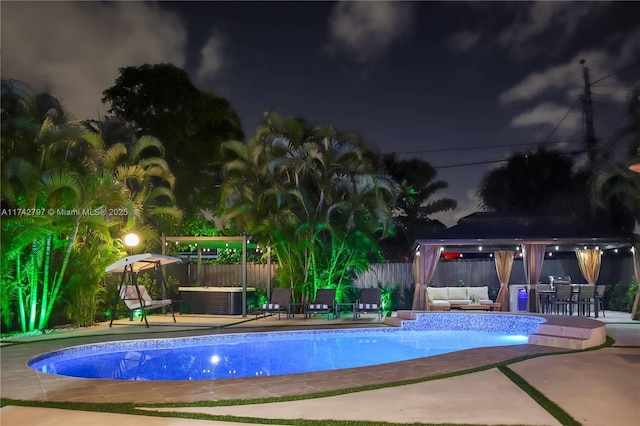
(402,316)
(559,331)
(558,341)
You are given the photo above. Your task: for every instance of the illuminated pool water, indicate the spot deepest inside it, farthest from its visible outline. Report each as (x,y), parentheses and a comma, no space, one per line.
(277,353)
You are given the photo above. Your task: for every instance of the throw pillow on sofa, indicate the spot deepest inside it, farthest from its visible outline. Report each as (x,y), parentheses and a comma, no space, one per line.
(480,294)
(457,293)
(437,293)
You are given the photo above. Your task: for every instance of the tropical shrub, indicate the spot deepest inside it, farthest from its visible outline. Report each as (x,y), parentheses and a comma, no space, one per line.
(620,296)
(314,196)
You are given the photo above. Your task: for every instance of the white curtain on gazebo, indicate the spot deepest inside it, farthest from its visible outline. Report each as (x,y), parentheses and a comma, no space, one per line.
(532,258)
(589,263)
(424,262)
(504,264)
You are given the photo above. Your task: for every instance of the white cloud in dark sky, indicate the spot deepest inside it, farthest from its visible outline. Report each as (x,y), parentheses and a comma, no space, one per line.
(537,18)
(212,57)
(566,77)
(73,50)
(558,78)
(564,82)
(547,113)
(366,30)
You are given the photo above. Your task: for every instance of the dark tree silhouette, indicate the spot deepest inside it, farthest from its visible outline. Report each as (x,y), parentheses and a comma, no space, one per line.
(538,181)
(160,100)
(416,203)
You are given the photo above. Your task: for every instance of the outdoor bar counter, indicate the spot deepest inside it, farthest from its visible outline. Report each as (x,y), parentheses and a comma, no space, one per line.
(213,300)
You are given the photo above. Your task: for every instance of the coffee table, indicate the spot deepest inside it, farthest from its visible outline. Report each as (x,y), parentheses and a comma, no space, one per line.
(478,307)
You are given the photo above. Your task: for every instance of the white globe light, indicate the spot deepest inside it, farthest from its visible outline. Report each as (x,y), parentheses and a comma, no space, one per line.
(131,240)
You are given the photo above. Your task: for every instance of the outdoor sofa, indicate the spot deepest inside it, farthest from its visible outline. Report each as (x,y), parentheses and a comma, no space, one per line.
(446,298)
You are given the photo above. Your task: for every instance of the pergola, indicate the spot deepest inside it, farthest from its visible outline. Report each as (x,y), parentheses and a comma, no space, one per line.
(503,233)
(224,242)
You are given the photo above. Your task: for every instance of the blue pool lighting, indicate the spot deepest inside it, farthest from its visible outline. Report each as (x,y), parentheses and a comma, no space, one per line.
(288,352)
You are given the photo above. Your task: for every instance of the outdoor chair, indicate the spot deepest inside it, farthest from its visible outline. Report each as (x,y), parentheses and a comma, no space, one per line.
(600,290)
(544,293)
(325,303)
(136,296)
(369,302)
(586,297)
(280,302)
(561,301)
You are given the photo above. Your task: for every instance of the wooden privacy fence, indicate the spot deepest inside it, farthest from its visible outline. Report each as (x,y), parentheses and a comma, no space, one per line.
(473,272)
(223,275)
(385,275)
(481,272)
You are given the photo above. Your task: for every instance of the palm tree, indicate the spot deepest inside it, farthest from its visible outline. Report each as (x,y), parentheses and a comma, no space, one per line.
(415,204)
(616,186)
(44,174)
(137,164)
(538,181)
(307,191)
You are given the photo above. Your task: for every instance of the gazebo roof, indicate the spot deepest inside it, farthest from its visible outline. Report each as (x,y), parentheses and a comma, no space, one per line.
(509,230)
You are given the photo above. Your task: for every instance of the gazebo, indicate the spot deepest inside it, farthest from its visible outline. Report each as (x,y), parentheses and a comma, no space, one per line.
(223,242)
(505,233)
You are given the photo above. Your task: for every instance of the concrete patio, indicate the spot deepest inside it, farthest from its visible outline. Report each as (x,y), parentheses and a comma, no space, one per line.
(598,387)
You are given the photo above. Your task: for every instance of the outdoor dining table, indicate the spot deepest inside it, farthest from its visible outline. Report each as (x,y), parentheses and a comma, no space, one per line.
(575,288)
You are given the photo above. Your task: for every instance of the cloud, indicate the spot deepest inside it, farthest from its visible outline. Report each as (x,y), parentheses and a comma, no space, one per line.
(212,55)
(559,78)
(365,30)
(72,50)
(466,207)
(537,19)
(463,41)
(548,113)
(567,78)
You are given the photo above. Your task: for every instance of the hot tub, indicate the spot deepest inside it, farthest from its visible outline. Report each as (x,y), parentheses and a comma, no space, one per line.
(213,300)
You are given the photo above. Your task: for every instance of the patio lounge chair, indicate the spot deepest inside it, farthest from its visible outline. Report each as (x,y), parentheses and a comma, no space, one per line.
(280,302)
(369,302)
(325,303)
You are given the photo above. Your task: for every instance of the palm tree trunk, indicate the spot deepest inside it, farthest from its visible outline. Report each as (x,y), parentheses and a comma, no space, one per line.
(45,282)
(58,281)
(33,285)
(22,317)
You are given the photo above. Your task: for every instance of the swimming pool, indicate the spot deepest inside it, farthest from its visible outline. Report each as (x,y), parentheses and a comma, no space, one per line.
(289,352)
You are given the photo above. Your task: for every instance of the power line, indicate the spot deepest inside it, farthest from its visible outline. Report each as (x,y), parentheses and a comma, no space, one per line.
(478,163)
(450,166)
(487,146)
(565,116)
(616,72)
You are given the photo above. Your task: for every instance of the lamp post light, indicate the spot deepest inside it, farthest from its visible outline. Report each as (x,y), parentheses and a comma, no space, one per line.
(131,240)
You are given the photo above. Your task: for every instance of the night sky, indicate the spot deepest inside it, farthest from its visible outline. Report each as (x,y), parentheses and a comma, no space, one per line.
(451,83)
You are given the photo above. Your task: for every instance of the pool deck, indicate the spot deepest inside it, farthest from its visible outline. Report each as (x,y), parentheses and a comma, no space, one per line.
(605,377)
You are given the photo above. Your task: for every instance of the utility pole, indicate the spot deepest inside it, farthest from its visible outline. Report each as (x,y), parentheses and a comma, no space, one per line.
(590,137)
